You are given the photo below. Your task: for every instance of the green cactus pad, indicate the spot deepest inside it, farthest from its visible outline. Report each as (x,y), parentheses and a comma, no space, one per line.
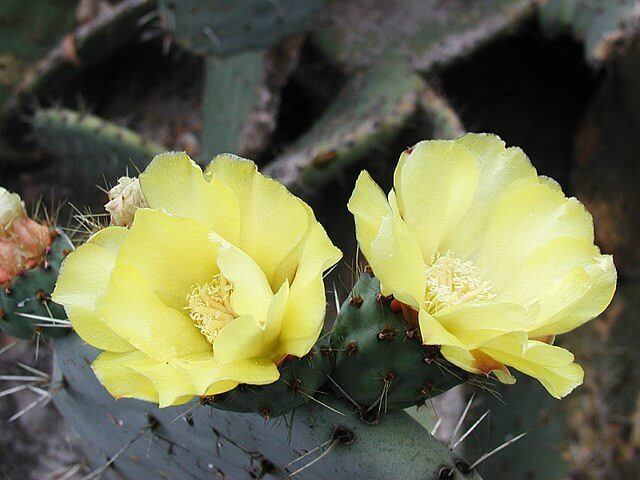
(365,117)
(428,33)
(196,442)
(29,293)
(28,28)
(380,361)
(90,145)
(225,27)
(605,26)
(300,379)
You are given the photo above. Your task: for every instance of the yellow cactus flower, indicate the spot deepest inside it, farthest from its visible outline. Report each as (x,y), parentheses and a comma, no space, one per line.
(217,280)
(490,260)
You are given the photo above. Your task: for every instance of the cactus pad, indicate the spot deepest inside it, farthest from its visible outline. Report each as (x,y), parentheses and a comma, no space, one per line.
(225,27)
(91,145)
(300,379)
(428,34)
(30,292)
(191,442)
(380,361)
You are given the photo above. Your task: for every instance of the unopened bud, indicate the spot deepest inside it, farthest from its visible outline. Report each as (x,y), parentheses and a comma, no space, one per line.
(11,208)
(124,199)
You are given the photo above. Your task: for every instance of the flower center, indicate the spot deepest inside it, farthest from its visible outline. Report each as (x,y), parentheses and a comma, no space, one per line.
(450,281)
(209,306)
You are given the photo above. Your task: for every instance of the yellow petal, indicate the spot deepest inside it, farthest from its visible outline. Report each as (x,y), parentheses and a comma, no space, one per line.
(369,205)
(306,305)
(552,366)
(435,184)
(275,316)
(251,291)
(240,339)
(172,385)
(210,377)
(434,333)
(84,277)
(272,220)
(397,261)
(524,220)
(500,169)
(171,253)
(120,381)
(174,183)
(134,312)
(475,324)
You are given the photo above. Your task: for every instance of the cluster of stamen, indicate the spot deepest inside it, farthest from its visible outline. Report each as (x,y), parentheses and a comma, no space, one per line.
(210,307)
(450,281)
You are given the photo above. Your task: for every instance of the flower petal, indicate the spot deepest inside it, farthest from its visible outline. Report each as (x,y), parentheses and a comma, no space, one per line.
(273,221)
(171,253)
(210,377)
(397,261)
(251,291)
(84,277)
(524,220)
(474,324)
(240,339)
(172,385)
(500,169)
(132,310)
(174,183)
(306,305)
(369,205)
(120,381)
(435,184)
(552,366)
(275,316)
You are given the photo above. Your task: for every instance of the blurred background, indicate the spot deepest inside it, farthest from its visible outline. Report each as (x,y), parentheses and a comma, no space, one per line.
(314,91)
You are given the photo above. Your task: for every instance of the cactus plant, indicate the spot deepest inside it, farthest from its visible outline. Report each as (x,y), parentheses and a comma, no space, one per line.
(380,361)
(85,47)
(24,39)
(606,27)
(361,33)
(140,441)
(223,27)
(367,115)
(75,137)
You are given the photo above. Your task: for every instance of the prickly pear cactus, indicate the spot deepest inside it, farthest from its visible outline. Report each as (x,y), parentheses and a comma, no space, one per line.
(134,439)
(369,113)
(25,303)
(605,26)
(91,145)
(25,38)
(300,379)
(360,33)
(380,361)
(224,27)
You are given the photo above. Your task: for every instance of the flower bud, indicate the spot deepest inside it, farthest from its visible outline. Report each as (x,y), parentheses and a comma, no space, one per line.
(124,199)
(11,208)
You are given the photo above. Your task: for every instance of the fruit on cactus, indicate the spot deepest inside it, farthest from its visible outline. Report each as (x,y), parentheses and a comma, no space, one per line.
(30,257)
(217,281)
(488,260)
(23,241)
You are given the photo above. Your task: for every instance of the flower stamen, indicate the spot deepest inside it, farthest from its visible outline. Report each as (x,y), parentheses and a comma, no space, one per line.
(209,306)
(450,281)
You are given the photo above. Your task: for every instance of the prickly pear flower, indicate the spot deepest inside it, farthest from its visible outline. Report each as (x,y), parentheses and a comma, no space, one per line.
(490,260)
(23,241)
(215,282)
